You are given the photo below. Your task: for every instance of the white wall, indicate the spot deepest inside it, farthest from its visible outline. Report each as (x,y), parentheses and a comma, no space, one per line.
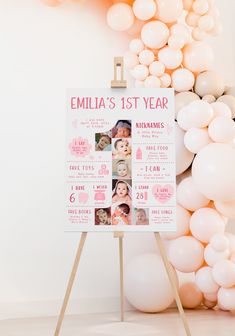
(43,52)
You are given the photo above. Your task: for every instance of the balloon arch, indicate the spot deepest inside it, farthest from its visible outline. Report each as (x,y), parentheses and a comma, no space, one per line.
(168,49)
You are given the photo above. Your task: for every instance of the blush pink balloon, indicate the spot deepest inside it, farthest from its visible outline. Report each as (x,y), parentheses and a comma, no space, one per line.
(221,110)
(189,197)
(155,34)
(222,129)
(130,60)
(205,222)
(183,99)
(198,56)
(205,281)
(219,242)
(226,298)
(212,257)
(190,295)
(171,58)
(224,273)
(186,254)
(227,209)
(196,138)
(136,46)
(183,157)
(231,238)
(144,9)
(169,10)
(120,17)
(220,159)
(209,304)
(182,224)
(182,80)
(212,297)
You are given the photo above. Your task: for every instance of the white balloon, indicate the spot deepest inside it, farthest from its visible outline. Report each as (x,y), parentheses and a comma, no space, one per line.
(170,58)
(197,114)
(222,129)
(147,286)
(205,281)
(155,34)
(213,172)
(212,257)
(183,157)
(196,138)
(144,9)
(182,80)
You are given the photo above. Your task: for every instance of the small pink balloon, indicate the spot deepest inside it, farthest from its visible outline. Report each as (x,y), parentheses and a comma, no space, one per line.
(226,298)
(212,257)
(198,56)
(120,17)
(221,110)
(140,72)
(179,29)
(182,80)
(190,295)
(192,19)
(157,68)
(196,138)
(227,209)
(222,129)
(201,7)
(205,281)
(136,46)
(165,80)
(176,42)
(212,297)
(184,157)
(152,82)
(224,273)
(146,57)
(130,60)
(183,99)
(205,222)
(182,224)
(209,304)
(189,197)
(186,254)
(144,9)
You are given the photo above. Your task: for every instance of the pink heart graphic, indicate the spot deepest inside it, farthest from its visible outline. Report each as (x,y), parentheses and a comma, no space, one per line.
(163,193)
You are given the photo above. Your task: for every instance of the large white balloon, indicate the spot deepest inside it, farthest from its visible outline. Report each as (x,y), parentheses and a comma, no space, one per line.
(147,286)
(213,172)
(189,196)
(183,157)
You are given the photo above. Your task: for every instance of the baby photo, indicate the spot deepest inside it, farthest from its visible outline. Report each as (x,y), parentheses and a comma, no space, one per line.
(122,169)
(121,191)
(121,149)
(103,216)
(122,129)
(121,214)
(103,142)
(141,216)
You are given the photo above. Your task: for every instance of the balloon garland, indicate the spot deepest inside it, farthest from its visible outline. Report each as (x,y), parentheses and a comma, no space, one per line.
(168,49)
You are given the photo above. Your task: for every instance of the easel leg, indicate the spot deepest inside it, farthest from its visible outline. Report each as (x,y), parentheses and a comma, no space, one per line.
(173,282)
(70,283)
(120,236)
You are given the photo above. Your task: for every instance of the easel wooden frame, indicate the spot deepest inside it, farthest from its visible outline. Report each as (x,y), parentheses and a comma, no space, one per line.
(121,83)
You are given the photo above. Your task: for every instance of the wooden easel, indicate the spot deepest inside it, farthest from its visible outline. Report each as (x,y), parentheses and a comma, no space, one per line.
(121,83)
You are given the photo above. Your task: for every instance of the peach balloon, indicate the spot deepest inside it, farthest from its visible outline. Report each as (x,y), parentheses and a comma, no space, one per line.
(209,304)
(144,9)
(219,242)
(182,224)
(219,159)
(227,209)
(120,17)
(151,291)
(169,10)
(196,138)
(224,273)
(209,82)
(176,42)
(197,114)
(204,223)
(186,254)
(205,281)
(182,80)
(179,29)
(165,80)
(152,82)
(136,46)
(226,298)
(187,4)
(192,19)
(183,157)
(183,99)
(212,257)
(190,295)
(170,58)
(155,34)
(198,56)
(212,297)
(189,197)
(140,72)
(222,129)
(209,98)
(229,101)
(157,68)
(221,110)
(130,60)
(146,57)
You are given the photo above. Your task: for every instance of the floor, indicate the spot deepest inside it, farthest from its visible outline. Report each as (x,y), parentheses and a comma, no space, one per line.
(202,323)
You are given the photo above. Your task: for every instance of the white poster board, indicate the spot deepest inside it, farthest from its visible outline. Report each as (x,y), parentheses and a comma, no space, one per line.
(120,167)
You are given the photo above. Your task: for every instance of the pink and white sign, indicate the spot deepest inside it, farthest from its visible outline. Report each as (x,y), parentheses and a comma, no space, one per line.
(120,168)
